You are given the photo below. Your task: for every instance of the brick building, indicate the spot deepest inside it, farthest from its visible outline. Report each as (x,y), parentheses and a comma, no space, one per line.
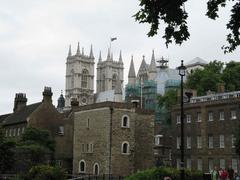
(209,126)
(112,138)
(45,116)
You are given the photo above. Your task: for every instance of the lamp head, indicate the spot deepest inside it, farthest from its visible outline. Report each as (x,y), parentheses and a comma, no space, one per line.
(182,69)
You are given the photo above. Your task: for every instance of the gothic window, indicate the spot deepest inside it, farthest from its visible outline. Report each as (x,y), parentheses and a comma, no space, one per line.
(114,81)
(96,169)
(84,78)
(72,78)
(125,147)
(82,166)
(103,82)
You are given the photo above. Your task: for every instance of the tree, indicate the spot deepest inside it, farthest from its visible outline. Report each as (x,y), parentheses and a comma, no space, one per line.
(174,15)
(231,76)
(206,79)
(168,99)
(35,147)
(6,153)
(45,172)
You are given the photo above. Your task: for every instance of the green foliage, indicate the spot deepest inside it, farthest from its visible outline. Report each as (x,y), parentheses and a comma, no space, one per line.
(35,147)
(206,79)
(42,172)
(168,99)
(174,16)
(161,172)
(38,136)
(231,76)
(6,153)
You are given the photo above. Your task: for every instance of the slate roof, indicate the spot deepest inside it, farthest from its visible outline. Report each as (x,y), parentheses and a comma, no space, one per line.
(21,115)
(4,116)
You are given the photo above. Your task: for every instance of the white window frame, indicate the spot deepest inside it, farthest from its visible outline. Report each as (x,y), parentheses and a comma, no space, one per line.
(233,140)
(189,142)
(79,166)
(178,142)
(222,163)
(18,131)
(61,130)
(128,121)
(199,142)
(233,114)
(221,141)
(210,165)
(189,164)
(221,115)
(199,118)
(178,163)
(210,142)
(189,118)
(178,119)
(199,164)
(128,148)
(210,116)
(157,139)
(235,164)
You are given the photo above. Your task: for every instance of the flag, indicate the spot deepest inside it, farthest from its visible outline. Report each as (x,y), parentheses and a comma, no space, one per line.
(113,39)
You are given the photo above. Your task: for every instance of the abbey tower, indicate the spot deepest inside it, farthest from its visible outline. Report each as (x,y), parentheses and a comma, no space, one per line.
(79,77)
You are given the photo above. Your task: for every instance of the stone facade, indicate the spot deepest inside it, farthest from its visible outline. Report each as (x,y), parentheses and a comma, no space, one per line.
(209,126)
(113,136)
(79,77)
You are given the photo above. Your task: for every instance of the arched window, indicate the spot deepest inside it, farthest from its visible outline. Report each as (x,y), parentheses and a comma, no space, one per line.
(72,78)
(82,166)
(125,147)
(114,81)
(84,78)
(125,121)
(103,82)
(96,169)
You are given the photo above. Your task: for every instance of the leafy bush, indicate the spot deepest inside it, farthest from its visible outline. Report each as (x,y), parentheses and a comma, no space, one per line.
(161,172)
(43,172)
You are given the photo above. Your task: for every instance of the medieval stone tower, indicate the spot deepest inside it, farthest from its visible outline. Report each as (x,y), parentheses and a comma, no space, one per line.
(79,77)
(110,74)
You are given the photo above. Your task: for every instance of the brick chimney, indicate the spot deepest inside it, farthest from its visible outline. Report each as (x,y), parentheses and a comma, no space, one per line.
(47,95)
(20,101)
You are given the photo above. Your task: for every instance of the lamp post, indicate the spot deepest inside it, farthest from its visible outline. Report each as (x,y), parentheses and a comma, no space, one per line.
(182,69)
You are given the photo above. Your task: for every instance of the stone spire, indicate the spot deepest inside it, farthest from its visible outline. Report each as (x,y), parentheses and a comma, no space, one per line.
(108,55)
(70,51)
(111,57)
(120,56)
(131,73)
(100,57)
(78,50)
(152,67)
(83,51)
(143,66)
(91,53)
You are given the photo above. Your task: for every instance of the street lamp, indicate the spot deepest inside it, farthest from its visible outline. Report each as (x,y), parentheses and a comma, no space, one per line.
(181,70)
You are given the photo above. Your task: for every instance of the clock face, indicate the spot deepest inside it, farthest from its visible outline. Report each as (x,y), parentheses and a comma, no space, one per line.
(84,100)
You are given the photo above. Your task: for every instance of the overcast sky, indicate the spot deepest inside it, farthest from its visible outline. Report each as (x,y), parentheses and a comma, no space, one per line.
(35,35)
